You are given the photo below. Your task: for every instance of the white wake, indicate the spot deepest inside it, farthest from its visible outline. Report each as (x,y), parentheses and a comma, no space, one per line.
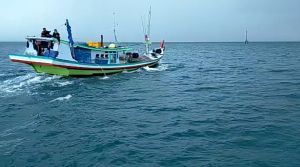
(61,98)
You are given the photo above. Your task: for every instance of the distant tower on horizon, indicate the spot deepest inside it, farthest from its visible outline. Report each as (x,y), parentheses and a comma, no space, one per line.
(246,41)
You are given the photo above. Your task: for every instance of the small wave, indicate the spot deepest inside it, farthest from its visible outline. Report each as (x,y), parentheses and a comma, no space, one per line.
(146,135)
(202,88)
(24,82)
(7,147)
(161,67)
(19,79)
(102,147)
(10,142)
(105,77)
(280,70)
(138,70)
(286,54)
(184,134)
(52,133)
(293,96)
(212,70)
(61,98)
(61,84)
(27,124)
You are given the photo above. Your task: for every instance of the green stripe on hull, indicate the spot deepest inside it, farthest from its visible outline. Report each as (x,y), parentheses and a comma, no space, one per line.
(72,72)
(50,70)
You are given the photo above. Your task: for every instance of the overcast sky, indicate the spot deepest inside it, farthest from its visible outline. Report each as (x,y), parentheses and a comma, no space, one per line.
(172,20)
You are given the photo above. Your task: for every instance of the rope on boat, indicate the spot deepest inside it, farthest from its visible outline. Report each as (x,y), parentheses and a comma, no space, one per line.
(103,71)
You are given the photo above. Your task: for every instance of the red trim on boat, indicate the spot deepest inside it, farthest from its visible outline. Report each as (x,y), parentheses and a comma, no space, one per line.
(81,68)
(30,62)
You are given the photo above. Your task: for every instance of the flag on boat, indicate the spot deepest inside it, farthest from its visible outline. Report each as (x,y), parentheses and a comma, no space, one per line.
(162,44)
(147,38)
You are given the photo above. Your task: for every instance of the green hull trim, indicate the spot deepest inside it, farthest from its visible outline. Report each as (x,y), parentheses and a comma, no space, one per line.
(72,72)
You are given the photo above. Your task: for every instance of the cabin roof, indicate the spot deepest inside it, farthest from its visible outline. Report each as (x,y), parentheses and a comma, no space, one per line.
(117,49)
(40,38)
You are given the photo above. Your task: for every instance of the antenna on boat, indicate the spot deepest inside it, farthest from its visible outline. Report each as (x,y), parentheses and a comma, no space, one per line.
(149,19)
(116,40)
(246,41)
(143,25)
(147,33)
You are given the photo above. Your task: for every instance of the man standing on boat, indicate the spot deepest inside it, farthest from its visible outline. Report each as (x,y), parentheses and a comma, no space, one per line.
(45,33)
(56,35)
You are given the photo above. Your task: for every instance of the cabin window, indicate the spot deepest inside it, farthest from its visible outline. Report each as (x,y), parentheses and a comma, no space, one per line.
(106,55)
(102,55)
(97,56)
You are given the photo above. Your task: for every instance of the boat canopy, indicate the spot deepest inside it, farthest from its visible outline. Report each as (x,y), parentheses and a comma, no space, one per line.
(104,49)
(40,38)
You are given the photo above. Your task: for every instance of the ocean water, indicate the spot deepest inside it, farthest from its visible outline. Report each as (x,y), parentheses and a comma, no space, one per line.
(207,104)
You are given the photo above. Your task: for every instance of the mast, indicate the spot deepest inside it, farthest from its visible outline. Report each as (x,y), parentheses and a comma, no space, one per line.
(147,34)
(116,40)
(149,23)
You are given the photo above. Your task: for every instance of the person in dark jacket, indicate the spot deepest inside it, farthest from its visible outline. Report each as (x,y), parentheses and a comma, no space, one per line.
(45,33)
(56,35)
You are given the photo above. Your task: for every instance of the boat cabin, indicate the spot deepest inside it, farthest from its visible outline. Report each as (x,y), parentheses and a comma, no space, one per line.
(42,47)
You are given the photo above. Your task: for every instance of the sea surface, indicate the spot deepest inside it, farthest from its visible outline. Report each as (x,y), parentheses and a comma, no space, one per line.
(207,104)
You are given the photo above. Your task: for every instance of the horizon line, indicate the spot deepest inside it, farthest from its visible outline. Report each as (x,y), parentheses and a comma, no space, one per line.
(184,41)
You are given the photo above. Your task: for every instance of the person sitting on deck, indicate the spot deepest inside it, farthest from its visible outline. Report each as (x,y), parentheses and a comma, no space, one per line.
(45,33)
(56,35)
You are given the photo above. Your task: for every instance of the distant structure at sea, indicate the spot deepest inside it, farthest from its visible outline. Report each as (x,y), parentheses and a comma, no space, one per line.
(246,41)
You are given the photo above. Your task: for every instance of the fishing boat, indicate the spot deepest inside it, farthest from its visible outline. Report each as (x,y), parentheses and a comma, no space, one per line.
(60,57)
(156,53)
